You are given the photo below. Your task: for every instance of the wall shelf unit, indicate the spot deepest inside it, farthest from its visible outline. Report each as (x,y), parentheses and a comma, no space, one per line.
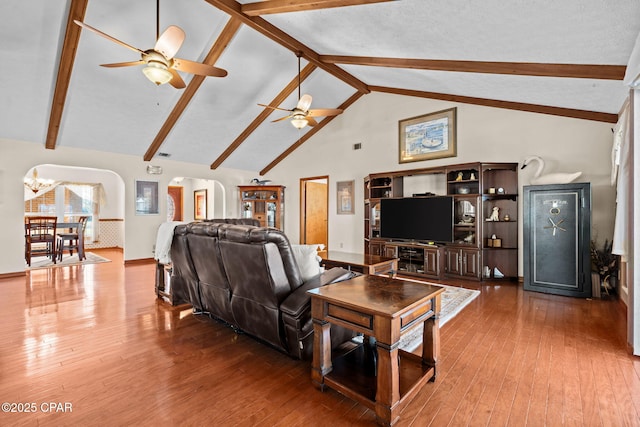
(485,227)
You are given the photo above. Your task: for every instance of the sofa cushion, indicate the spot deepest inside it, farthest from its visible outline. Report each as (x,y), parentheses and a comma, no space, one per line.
(308,260)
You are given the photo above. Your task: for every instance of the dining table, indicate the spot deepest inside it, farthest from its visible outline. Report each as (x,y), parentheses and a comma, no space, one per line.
(72,227)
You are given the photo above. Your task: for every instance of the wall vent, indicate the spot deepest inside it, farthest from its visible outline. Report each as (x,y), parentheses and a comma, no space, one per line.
(357,146)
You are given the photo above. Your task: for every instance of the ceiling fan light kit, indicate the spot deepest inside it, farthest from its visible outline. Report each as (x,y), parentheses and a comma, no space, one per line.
(157,72)
(299,121)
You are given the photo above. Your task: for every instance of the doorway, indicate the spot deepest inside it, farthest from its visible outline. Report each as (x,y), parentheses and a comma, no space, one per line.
(175,200)
(314,210)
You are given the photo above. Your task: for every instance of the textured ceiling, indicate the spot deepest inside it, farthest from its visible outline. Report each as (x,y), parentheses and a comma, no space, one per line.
(119,110)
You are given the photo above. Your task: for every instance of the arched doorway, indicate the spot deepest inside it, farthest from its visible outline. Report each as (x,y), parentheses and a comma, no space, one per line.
(79,191)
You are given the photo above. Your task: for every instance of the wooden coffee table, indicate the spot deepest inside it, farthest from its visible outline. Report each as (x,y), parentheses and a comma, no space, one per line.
(381,308)
(362,263)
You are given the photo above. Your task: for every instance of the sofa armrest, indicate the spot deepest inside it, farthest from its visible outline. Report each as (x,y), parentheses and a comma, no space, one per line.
(296,303)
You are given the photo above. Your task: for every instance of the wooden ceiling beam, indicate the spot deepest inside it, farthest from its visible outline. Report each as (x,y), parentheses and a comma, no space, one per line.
(279,99)
(284,6)
(509,105)
(233,8)
(77,10)
(310,133)
(227,34)
(580,71)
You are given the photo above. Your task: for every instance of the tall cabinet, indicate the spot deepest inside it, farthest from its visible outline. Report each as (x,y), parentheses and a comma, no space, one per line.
(264,203)
(485,243)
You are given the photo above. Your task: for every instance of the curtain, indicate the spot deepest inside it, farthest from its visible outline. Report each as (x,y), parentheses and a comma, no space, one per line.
(620,175)
(94,196)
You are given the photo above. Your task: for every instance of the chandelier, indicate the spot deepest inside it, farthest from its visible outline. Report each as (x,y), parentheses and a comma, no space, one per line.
(36,184)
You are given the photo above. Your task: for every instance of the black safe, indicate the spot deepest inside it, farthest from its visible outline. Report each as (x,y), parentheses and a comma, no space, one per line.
(557,236)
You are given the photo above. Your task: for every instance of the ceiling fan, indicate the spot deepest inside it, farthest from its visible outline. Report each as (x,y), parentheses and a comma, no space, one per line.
(161,64)
(301,115)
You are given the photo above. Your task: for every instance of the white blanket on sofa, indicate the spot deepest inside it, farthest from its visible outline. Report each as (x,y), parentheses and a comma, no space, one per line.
(163,241)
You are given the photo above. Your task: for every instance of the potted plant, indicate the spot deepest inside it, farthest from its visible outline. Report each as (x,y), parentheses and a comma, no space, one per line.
(605,263)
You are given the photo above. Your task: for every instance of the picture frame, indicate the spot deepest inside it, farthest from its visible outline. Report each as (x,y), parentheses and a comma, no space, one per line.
(200,204)
(345,197)
(427,137)
(146,198)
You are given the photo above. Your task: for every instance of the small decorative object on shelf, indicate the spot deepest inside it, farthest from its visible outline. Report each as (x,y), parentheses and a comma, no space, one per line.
(494,242)
(487,271)
(473,176)
(500,190)
(497,273)
(492,190)
(507,218)
(495,214)
(459,177)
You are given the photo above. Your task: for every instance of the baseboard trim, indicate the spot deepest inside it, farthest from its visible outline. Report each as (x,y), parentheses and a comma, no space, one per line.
(12,275)
(139,261)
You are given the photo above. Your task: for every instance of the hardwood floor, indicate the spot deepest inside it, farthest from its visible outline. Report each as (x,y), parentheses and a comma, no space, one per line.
(95,338)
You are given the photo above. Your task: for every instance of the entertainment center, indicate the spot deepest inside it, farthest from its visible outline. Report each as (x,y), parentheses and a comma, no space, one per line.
(461,223)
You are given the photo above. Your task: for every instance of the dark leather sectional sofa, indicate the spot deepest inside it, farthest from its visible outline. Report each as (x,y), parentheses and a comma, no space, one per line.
(247,276)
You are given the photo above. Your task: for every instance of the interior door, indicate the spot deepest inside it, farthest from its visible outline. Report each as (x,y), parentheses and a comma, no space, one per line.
(174,203)
(314,199)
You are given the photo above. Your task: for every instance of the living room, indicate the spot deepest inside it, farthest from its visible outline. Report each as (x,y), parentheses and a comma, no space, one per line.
(483,134)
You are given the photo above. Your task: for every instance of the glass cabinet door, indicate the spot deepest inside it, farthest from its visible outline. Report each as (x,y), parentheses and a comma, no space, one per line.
(265,204)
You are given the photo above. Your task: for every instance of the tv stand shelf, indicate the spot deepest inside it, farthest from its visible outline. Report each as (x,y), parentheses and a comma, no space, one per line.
(481,192)
(416,258)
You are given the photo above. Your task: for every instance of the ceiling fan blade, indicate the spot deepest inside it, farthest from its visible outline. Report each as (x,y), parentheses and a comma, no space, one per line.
(176,81)
(324,112)
(311,121)
(198,68)
(304,103)
(123,64)
(281,119)
(273,108)
(170,41)
(107,36)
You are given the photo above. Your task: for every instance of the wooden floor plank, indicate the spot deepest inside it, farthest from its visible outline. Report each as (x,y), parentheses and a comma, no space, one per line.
(96,337)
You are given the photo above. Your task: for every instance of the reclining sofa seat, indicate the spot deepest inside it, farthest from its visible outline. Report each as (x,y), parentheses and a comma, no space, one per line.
(247,276)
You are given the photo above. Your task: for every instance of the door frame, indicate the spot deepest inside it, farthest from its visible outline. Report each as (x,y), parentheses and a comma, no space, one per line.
(303,200)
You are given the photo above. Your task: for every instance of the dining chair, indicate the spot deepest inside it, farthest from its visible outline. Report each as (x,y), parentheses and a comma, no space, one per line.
(73,240)
(40,237)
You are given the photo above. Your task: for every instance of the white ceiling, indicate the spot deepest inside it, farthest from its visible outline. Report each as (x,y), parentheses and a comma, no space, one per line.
(119,110)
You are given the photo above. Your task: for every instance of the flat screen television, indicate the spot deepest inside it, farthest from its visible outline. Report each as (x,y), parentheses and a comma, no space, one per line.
(428,219)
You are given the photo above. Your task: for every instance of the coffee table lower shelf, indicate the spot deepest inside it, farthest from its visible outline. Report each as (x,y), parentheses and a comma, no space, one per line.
(353,375)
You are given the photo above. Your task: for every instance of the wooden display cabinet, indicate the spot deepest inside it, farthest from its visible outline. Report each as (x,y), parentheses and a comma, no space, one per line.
(500,190)
(476,188)
(264,203)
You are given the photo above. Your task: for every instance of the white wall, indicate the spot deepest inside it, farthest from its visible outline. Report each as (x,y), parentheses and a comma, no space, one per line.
(483,134)
(17,158)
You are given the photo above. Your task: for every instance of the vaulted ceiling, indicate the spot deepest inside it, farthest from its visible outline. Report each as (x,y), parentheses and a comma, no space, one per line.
(564,58)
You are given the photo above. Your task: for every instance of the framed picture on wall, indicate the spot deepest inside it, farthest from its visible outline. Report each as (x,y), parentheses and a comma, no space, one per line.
(200,204)
(427,137)
(345,197)
(147,198)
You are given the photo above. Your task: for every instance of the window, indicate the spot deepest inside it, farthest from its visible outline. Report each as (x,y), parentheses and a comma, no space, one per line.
(68,202)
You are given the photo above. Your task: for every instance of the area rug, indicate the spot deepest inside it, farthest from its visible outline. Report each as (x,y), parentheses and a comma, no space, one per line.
(43,262)
(454,299)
